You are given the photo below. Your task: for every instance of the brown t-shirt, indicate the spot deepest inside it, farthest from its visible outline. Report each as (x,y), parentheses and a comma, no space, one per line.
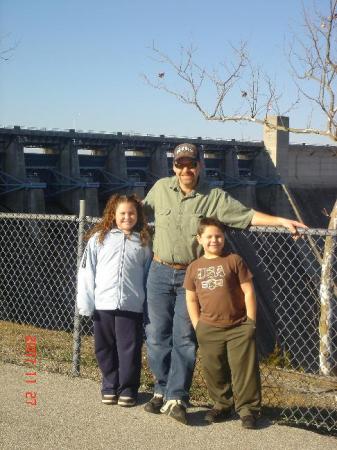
(217,285)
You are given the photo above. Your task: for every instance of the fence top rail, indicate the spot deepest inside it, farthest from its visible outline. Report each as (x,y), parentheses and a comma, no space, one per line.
(24,216)
(51,217)
(73,218)
(302,231)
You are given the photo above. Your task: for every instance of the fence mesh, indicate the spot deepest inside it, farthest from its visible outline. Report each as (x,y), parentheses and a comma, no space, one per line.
(295,282)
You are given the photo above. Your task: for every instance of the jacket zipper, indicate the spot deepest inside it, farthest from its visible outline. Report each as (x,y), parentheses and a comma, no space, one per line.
(120,274)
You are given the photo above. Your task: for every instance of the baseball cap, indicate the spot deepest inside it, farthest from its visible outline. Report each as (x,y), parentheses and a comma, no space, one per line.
(186,151)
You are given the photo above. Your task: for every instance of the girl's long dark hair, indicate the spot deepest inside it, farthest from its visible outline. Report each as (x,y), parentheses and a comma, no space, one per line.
(108,220)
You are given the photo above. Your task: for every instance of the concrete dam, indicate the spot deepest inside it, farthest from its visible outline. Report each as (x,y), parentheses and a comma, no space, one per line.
(49,171)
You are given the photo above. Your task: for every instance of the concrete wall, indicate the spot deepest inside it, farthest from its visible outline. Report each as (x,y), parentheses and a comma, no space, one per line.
(276,143)
(310,166)
(296,165)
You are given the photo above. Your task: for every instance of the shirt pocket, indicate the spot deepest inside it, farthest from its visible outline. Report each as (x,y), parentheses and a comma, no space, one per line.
(192,222)
(163,217)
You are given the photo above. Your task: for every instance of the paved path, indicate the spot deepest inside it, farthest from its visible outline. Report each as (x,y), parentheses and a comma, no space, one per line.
(69,415)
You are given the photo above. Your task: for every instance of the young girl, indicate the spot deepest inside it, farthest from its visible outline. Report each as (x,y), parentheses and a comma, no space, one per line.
(221,304)
(111,283)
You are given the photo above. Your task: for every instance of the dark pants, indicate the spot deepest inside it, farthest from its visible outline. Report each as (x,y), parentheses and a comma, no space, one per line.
(118,345)
(229,361)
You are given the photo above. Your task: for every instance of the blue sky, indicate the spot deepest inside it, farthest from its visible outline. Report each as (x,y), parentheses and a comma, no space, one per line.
(78,63)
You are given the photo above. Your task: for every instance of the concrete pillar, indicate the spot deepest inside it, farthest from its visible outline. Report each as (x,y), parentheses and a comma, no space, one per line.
(23,200)
(69,161)
(116,161)
(91,200)
(35,202)
(70,167)
(159,162)
(14,164)
(116,164)
(231,166)
(276,143)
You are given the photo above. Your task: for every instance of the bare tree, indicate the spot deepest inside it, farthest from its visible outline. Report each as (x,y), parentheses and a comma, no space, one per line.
(239,78)
(6,53)
(328,305)
(313,60)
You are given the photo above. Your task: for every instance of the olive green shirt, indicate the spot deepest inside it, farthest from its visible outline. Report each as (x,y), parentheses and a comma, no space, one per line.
(177,217)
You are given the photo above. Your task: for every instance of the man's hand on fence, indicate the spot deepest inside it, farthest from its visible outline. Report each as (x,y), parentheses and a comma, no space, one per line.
(262,219)
(292,226)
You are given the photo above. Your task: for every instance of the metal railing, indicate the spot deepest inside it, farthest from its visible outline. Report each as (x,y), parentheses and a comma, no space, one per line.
(295,281)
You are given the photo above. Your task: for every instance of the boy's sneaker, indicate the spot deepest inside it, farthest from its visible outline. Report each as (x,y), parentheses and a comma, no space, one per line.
(217,415)
(109,399)
(249,422)
(126,401)
(175,409)
(154,405)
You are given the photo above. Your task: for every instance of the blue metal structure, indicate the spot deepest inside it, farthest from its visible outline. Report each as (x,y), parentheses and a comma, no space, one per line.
(43,170)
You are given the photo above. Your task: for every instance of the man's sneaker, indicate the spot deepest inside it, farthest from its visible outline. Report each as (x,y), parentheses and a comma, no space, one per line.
(217,415)
(109,399)
(126,401)
(175,409)
(248,422)
(154,405)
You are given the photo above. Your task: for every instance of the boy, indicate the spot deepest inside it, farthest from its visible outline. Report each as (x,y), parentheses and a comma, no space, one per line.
(222,308)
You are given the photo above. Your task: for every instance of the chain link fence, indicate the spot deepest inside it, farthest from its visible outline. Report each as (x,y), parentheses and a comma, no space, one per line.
(296,286)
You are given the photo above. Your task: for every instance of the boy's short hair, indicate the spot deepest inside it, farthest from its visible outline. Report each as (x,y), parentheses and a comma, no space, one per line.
(210,221)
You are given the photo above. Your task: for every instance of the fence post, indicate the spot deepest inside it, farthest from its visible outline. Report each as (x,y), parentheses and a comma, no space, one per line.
(77,321)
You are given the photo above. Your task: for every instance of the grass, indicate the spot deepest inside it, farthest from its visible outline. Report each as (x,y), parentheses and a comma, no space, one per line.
(282,387)
(55,353)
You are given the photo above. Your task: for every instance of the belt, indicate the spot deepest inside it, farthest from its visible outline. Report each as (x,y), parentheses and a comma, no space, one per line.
(173,266)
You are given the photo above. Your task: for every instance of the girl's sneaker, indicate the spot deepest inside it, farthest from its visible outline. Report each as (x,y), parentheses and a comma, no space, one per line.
(126,401)
(109,399)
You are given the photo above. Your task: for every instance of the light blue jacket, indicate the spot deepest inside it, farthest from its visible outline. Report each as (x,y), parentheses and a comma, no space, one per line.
(112,275)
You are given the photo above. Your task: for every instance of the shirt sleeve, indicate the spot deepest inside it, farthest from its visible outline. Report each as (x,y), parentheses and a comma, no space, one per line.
(189,282)
(147,262)
(232,212)
(86,280)
(244,274)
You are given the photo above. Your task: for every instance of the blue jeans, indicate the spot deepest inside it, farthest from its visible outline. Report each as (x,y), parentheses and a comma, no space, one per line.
(171,342)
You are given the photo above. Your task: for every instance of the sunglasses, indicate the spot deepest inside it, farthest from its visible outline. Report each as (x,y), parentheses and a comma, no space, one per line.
(189,164)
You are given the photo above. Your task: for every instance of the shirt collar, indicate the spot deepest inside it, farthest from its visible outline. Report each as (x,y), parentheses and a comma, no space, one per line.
(117,230)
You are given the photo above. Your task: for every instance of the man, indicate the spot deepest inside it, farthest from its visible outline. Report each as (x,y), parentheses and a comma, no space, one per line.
(178,203)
